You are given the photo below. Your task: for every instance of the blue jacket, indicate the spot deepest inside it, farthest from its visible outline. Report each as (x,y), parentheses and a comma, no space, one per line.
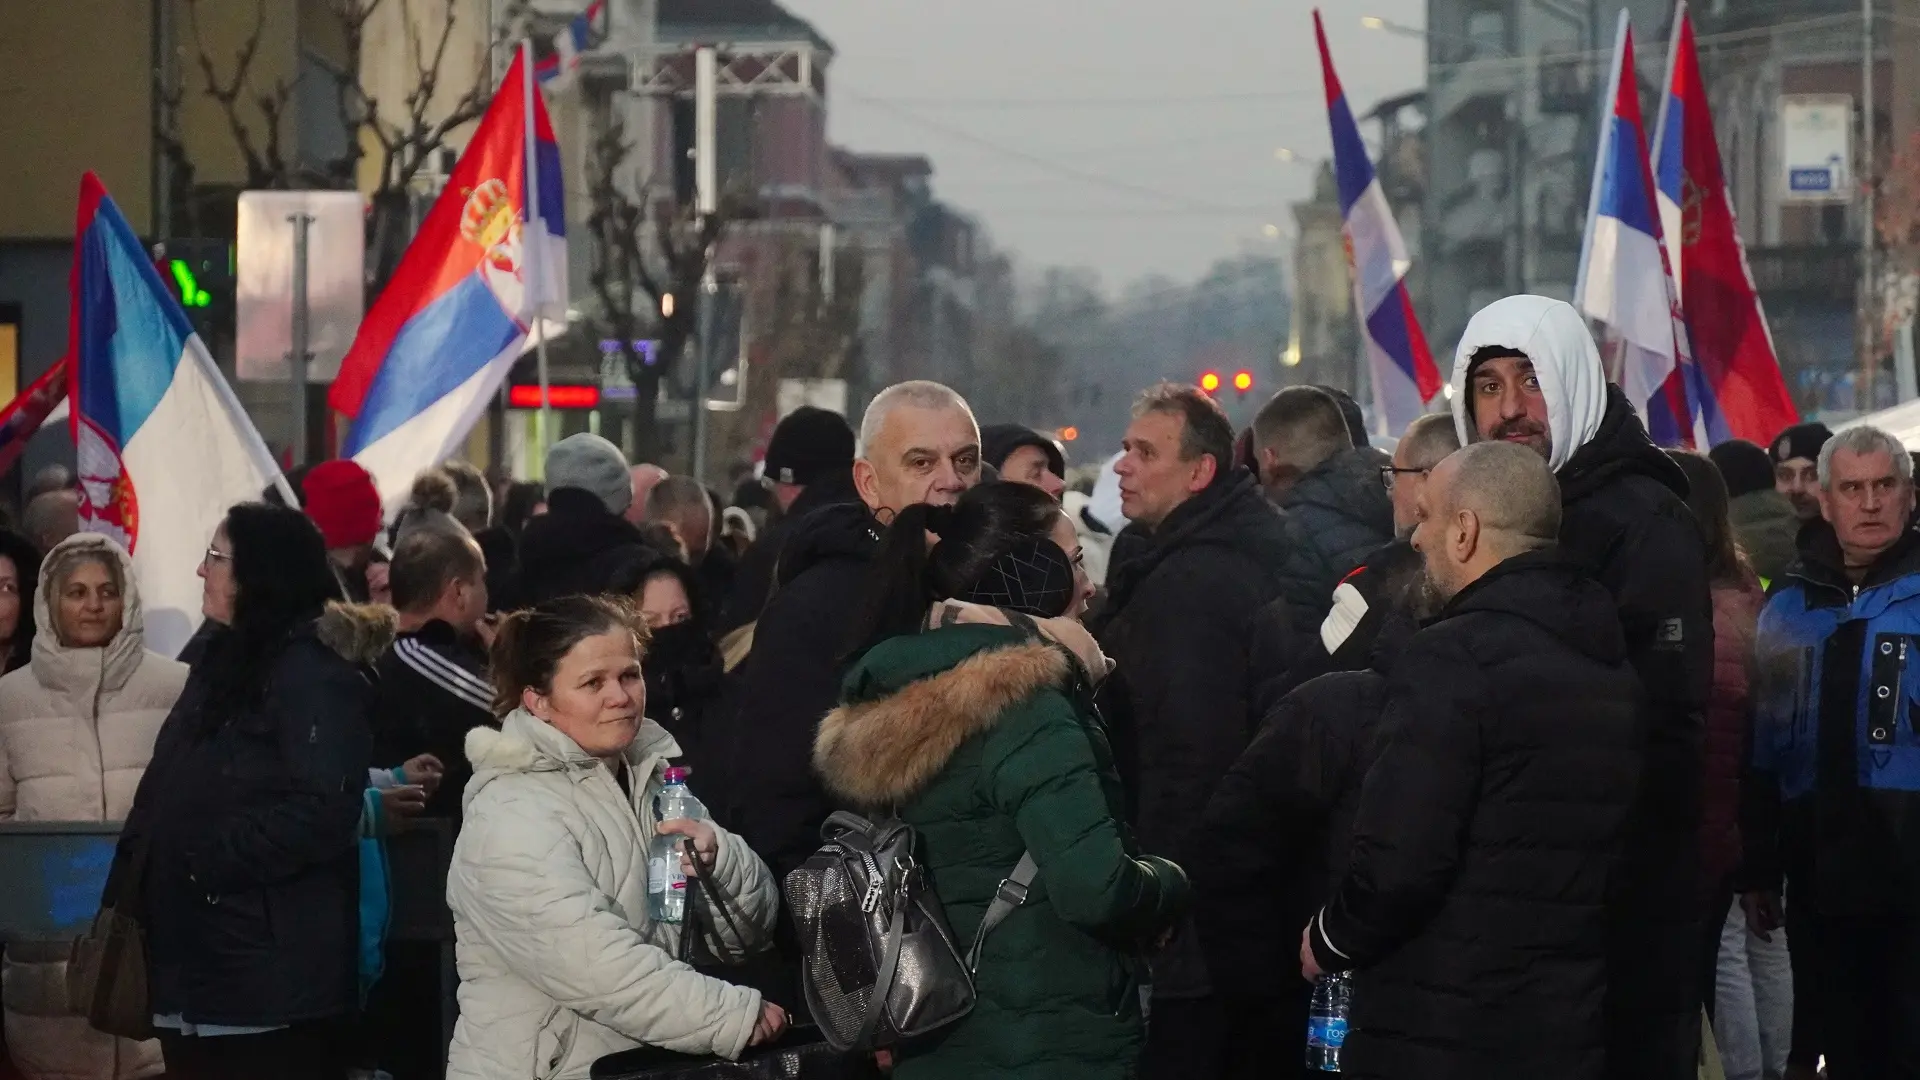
(1834,799)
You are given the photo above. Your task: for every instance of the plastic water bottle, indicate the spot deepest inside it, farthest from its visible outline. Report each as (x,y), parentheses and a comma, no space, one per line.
(1327,1021)
(666,885)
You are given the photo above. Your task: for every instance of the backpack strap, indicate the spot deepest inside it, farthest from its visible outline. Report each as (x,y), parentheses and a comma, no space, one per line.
(1011,894)
(889,967)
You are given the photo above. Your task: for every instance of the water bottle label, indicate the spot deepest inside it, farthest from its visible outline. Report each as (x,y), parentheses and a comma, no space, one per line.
(1327,1031)
(657,875)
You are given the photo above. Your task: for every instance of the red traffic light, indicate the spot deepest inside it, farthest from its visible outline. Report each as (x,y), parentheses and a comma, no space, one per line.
(1210,381)
(559,396)
(1069,433)
(1243,381)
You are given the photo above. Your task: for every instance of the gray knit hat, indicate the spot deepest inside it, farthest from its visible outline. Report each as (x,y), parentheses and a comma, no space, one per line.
(591,463)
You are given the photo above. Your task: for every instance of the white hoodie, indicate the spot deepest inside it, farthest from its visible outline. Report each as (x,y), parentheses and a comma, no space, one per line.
(1554,336)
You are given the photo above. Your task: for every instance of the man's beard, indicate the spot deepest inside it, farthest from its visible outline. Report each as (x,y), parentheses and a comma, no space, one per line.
(1426,597)
(1536,434)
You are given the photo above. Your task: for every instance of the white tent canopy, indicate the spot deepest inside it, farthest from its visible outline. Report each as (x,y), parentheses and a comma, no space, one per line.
(1901,421)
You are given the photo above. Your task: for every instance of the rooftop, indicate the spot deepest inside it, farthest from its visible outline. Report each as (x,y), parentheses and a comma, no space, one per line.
(719,21)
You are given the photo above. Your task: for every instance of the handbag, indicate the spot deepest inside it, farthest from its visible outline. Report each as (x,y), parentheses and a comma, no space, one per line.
(107,966)
(799,1054)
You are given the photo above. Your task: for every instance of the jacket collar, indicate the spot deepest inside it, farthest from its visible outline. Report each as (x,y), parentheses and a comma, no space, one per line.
(1620,446)
(1822,563)
(1213,516)
(57,667)
(525,743)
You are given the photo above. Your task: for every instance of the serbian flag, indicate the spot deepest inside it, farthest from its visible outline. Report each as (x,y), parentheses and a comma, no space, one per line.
(1624,281)
(31,408)
(1401,365)
(1739,392)
(490,257)
(163,446)
(558,68)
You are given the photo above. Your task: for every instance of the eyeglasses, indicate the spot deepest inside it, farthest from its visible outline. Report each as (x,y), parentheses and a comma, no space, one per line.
(215,555)
(1388,472)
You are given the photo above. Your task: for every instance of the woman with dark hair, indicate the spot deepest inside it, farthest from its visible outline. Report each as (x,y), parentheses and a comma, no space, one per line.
(19,573)
(249,815)
(1752,988)
(561,961)
(969,713)
(683,668)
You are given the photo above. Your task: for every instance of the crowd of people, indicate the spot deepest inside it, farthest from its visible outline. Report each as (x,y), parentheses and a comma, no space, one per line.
(1568,748)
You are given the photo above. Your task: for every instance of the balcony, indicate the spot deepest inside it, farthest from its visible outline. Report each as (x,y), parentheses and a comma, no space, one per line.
(1822,274)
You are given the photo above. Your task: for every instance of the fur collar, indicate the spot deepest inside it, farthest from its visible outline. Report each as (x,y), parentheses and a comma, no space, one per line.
(360,633)
(884,751)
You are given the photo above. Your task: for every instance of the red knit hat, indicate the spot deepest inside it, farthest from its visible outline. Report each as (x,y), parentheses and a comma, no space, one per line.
(343,502)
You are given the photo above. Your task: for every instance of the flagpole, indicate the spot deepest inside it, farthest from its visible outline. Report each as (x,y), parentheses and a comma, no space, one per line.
(532,200)
(1600,162)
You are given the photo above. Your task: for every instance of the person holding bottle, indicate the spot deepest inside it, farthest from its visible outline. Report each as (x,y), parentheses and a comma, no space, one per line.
(560,959)
(969,714)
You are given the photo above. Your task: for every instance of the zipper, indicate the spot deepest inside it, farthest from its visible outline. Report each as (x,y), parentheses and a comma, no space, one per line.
(99,744)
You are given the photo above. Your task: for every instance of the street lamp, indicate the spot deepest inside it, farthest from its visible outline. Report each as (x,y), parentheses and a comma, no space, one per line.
(1375,22)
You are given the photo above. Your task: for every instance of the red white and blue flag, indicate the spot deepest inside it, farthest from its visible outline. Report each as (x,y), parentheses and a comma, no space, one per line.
(1739,393)
(163,446)
(1402,368)
(30,409)
(558,68)
(1624,281)
(490,258)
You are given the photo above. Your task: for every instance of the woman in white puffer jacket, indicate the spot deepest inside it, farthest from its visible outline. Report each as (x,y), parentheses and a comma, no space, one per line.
(77,726)
(559,961)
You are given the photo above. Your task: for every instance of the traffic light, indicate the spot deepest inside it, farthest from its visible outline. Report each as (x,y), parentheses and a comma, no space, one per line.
(1210,381)
(1069,433)
(1242,382)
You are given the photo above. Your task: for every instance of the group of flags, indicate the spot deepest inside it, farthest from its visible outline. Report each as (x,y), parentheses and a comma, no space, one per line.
(164,447)
(1662,268)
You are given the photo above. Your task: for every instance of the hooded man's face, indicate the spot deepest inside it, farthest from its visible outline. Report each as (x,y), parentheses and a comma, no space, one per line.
(1504,396)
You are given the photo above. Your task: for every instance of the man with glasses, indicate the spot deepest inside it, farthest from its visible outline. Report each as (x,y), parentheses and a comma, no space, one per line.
(1426,443)
(1836,756)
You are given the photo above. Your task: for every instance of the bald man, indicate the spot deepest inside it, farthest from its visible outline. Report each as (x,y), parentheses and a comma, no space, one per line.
(1473,902)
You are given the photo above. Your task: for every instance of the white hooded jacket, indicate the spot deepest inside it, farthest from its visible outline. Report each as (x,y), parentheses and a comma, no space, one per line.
(1553,335)
(77,728)
(559,962)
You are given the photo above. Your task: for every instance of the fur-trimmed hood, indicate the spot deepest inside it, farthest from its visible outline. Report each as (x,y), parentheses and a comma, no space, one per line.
(888,749)
(360,633)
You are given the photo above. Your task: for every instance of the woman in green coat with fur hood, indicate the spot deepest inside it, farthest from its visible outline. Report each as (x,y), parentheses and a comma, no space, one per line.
(969,714)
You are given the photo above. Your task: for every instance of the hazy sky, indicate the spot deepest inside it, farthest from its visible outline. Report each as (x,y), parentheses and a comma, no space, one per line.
(1125,135)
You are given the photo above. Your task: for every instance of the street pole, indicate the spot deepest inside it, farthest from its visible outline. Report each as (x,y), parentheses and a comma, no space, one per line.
(300,355)
(705,175)
(536,266)
(1869,338)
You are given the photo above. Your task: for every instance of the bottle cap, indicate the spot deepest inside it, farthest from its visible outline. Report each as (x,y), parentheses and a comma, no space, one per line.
(675,774)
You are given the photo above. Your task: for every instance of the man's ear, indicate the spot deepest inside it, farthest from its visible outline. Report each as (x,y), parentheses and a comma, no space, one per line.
(1204,471)
(866,481)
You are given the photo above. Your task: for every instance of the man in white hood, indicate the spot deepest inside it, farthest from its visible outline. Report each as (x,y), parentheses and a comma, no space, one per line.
(1527,371)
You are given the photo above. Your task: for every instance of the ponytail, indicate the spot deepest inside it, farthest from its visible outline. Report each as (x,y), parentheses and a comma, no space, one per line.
(896,595)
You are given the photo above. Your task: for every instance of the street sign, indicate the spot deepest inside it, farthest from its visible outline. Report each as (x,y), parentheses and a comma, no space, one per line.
(1816,143)
(336,280)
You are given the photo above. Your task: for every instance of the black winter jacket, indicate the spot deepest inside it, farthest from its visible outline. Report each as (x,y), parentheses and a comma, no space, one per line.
(433,690)
(1625,516)
(1337,515)
(1473,903)
(753,576)
(1176,622)
(501,549)
(577,546)
(775,699)
(251,899)
(1277,830)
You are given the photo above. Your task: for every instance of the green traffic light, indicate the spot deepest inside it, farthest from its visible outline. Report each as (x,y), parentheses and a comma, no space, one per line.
(191,294)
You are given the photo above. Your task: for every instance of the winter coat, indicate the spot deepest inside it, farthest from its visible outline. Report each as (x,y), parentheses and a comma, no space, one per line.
(577,547)
(986,742)
(1473,903)
(1767,529)
(1276,832)
(559,962)
(1736,610)
(433,689)
(1625,516)
(501,548)
(251,897)
(77,728)
(1836,757)
(753,577)
(1337,514)
(775,699)
(1176,621)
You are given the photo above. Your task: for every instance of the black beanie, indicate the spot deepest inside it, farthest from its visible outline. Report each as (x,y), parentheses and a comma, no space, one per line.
(808,444)
(1744,466)
(1800,441)
(999,441)
(1350,412)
